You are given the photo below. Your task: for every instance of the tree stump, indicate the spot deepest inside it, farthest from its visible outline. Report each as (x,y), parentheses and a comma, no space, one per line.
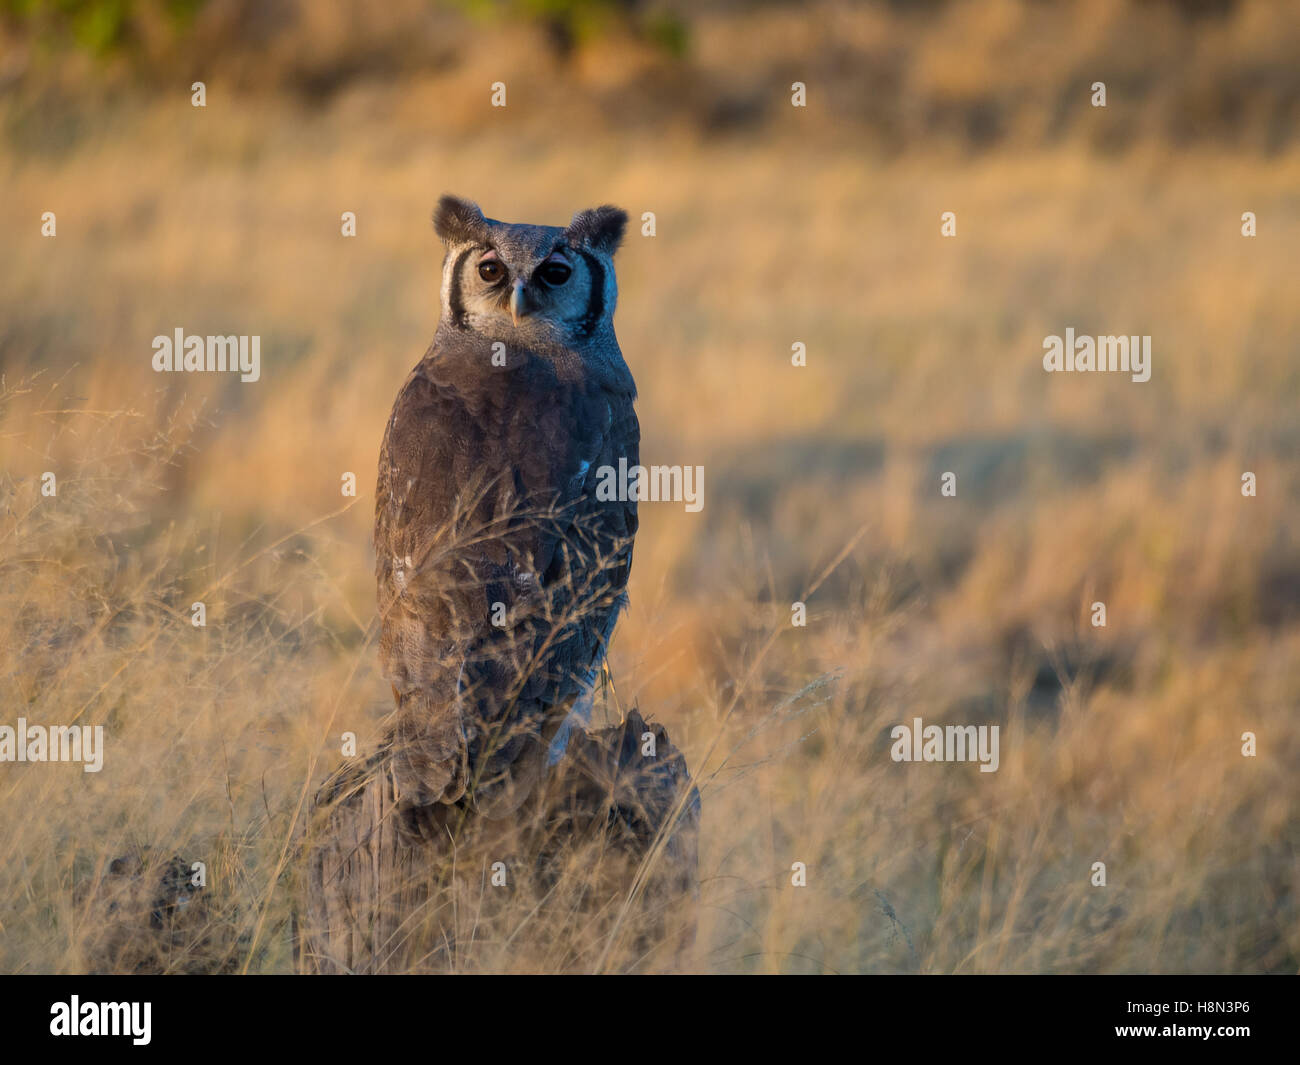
(595,872)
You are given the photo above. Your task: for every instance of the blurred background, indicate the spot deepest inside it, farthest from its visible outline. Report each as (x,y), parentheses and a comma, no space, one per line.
(775,225)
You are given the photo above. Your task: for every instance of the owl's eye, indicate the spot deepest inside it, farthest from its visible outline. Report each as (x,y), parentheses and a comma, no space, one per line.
(491,270)
(554,273)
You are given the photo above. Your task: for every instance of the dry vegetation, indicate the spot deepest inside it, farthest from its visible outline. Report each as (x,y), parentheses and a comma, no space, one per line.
(1119,744)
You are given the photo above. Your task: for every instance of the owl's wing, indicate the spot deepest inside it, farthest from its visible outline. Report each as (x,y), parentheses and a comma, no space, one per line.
(590,543)
(426,515)
(429,607)
(574,555)
(588,566)
(500,573)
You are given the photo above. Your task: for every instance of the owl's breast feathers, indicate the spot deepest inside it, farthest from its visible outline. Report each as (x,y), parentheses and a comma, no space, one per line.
(499,572)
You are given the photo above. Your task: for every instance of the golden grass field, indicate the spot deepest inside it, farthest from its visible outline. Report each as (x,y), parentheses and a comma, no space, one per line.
(1120,744)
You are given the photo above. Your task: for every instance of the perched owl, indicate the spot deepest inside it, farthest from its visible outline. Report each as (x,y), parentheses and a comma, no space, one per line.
(500,573)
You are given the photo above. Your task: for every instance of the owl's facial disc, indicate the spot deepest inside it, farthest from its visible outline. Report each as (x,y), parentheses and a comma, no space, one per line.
(523,291)
(538,290)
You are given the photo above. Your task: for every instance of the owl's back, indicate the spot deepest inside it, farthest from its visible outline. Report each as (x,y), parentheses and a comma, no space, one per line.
(499,572)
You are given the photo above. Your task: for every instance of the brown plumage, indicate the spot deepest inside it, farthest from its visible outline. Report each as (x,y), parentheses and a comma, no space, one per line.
(500,574)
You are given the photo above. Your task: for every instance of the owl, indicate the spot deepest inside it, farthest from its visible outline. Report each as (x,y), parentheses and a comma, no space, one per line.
(500,573)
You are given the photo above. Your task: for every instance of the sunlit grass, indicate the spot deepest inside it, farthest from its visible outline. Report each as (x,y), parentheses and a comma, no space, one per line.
(1120,745)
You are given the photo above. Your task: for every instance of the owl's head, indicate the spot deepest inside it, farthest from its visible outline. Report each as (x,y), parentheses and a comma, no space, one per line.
(535,282)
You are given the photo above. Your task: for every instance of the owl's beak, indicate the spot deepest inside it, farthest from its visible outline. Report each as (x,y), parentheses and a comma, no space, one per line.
(518,302)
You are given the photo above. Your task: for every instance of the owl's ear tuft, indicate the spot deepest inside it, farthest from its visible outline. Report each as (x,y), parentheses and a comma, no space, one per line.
(600,228)
(458,221)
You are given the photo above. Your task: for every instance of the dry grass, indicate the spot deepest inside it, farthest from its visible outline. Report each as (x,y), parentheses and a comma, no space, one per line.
(1119,745)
